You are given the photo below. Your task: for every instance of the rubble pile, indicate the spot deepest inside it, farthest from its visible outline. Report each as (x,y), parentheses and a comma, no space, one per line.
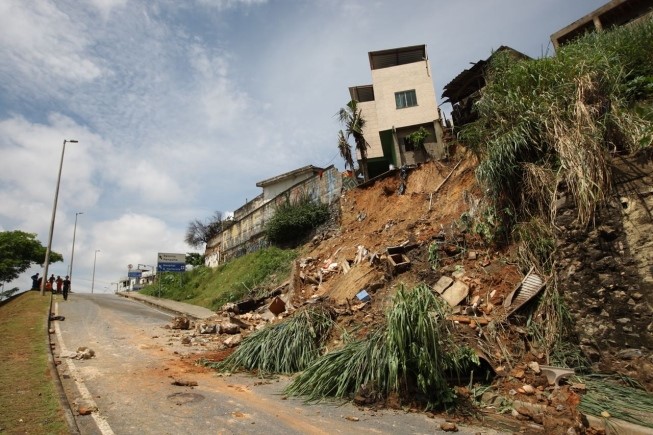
(498,304)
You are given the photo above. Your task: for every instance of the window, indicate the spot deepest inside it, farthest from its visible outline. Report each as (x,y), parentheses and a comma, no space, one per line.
(406,99)
(408,144)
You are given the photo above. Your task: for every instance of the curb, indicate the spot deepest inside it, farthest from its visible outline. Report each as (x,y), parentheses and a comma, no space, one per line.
(159,306)
(54,373)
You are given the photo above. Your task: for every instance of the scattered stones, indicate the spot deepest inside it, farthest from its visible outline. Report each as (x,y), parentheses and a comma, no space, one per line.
(229,328)
(456,293)
(205,328)
(233,340)
(535,367)
(86,410)
(448,426)
(184,383)
(180,323)
(352,418)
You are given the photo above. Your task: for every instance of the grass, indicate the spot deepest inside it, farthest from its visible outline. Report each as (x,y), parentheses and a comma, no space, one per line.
(551,123)
(212,288)
(286,347)
(28,403)
(411,355)
(620,397)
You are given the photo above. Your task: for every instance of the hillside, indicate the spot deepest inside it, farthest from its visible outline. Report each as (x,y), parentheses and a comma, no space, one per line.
(528,251)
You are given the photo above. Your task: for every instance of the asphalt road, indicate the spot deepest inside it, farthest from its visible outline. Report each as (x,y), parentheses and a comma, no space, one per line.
(136,360)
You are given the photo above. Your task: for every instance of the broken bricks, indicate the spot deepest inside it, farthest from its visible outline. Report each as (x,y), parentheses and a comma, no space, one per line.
(180,323)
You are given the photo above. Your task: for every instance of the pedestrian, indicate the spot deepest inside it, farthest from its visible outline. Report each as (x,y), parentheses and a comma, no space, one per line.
(51,281)
(35,281)
(66,288)
(39,282)
(59,284)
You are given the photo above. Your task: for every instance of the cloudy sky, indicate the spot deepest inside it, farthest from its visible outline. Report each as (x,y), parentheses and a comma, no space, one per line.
(180,107)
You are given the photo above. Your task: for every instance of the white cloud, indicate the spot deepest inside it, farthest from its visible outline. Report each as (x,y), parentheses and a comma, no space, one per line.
(44,47)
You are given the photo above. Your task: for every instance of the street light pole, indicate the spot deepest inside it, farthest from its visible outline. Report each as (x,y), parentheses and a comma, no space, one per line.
(72,253)
(94,261)
(54,214)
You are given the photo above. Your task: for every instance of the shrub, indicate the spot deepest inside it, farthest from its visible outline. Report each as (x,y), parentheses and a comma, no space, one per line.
(294,220)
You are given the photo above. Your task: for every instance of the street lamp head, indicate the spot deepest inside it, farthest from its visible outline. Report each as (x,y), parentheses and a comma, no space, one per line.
(71,141)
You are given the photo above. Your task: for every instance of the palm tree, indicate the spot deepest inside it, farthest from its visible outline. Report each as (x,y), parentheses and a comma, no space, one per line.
(352,119)
(345,151)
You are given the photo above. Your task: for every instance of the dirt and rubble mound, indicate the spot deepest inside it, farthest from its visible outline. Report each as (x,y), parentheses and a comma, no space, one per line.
(406,228)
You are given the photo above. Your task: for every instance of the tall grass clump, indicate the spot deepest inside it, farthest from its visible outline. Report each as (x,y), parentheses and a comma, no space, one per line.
(551,124)
(622,398)
(285,347)
(411,355)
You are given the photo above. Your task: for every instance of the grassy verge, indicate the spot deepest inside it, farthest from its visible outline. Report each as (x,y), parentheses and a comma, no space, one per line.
(212,288)
(28,403)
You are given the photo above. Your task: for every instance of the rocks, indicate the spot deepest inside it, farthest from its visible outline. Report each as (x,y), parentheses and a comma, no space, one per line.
(448,426)
(456,293)
(207,328)
(233,340)
(180,323)
(229,328)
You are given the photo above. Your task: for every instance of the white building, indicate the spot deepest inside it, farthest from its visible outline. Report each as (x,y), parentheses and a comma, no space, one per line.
(400,100)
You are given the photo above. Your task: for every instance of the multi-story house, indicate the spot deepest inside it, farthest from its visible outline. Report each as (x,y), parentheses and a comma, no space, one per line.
(400,100)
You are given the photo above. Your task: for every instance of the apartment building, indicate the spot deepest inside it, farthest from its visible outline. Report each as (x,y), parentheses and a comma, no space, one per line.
(400,100)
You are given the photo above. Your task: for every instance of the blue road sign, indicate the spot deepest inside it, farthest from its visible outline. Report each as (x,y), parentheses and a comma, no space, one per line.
(134,274)
(171,267)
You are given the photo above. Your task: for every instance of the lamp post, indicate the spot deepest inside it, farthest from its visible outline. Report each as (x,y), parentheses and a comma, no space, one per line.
(94,261)
(72,253)
(54,214)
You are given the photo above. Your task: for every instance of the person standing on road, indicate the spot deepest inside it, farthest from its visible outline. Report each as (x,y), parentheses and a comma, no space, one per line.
(66,288)
(59,284)
(35,281)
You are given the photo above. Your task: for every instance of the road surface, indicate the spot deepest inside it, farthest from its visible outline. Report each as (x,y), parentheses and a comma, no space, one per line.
(136,360)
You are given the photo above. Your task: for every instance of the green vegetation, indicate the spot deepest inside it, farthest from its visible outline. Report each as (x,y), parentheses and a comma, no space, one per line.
(286,347)
(28,403)
(619,397)
(412,354)
(212,288)
(351,117)
(550,124)
(292,221)
(18,251)
(417,138)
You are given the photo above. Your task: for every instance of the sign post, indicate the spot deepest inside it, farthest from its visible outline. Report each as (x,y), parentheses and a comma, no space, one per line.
(168,262)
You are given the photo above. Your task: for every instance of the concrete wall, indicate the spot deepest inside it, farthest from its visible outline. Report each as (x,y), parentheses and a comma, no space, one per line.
(387,81)
(247,233)
(272,191)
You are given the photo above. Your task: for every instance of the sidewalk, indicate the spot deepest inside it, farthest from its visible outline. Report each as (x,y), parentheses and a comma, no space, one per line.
(174,307)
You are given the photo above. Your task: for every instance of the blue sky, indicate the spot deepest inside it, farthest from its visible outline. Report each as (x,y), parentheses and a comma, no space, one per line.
(180,107)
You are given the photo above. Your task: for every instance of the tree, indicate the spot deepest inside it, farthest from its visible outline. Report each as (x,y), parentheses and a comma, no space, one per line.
(352,119)
(194,259)
(18,251)
(345,151)
(199,232)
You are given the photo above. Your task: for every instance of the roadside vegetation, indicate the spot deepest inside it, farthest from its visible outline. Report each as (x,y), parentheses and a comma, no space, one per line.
(230,282)
(550,125)
(28,402)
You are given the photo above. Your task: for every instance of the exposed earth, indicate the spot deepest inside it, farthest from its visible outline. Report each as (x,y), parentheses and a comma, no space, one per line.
(427,220)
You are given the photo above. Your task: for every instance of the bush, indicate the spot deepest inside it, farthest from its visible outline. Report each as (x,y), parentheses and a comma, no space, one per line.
(293,221)
(552,123)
